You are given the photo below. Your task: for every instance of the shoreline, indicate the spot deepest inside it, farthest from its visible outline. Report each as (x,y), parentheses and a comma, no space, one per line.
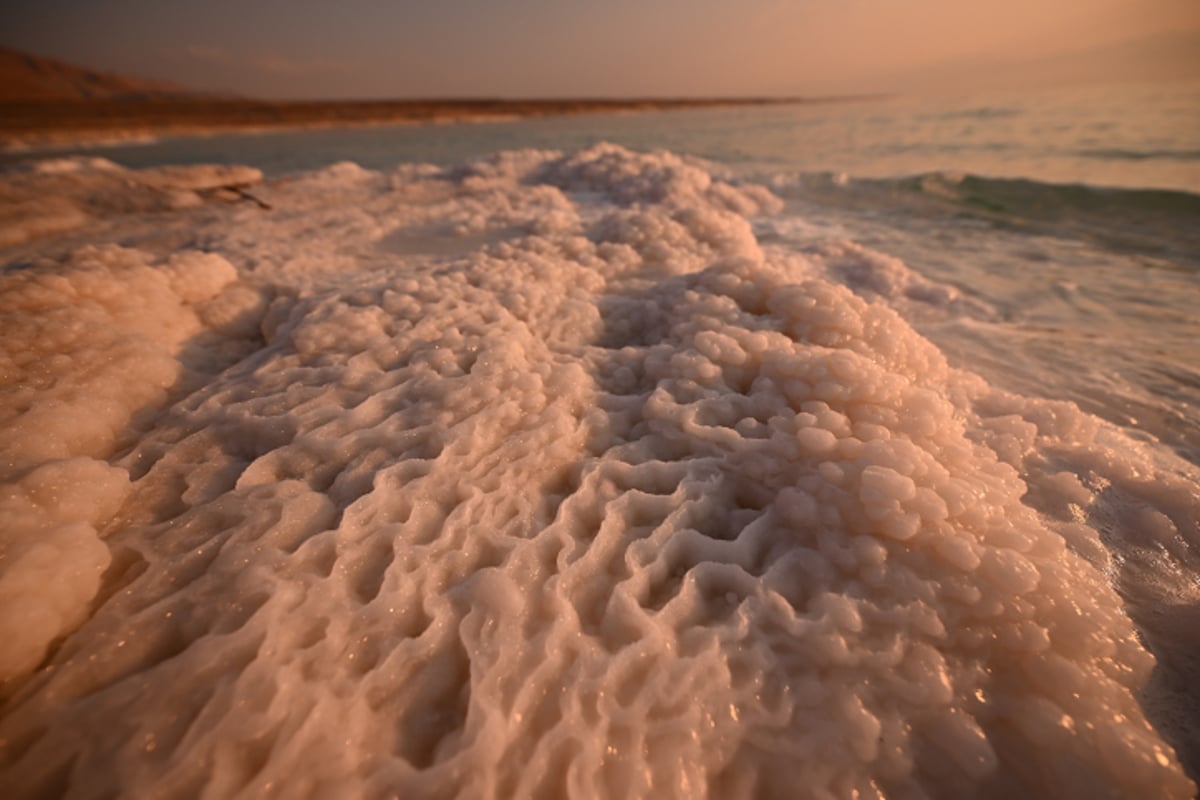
(26,127)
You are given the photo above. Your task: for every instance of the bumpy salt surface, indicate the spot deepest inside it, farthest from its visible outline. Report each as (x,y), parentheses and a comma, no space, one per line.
(539,477)
(59,195)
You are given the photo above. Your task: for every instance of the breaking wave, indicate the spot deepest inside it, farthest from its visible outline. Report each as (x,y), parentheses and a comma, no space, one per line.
(1035,199)
(1160,222)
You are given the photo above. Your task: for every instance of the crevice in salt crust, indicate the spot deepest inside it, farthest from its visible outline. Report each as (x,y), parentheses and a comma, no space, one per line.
(619,507)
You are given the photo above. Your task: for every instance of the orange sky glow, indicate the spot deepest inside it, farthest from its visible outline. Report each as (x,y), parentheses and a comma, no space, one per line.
(530,48)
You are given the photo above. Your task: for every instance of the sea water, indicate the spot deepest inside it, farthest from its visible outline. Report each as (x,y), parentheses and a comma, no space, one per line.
(831,450)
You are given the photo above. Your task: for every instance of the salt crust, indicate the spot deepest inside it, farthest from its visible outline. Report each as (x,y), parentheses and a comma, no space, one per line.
(86,345)
(58,195)
(606,502)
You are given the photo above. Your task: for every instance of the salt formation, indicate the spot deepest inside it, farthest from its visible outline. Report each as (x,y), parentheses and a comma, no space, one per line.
(539,477)
(58,195)
(86,345)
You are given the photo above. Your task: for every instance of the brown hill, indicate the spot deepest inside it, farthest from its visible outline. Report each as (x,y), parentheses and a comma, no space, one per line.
(44,101)
(27,78)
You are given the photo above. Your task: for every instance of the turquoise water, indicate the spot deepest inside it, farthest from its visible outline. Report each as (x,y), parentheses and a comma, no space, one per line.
(1137,136)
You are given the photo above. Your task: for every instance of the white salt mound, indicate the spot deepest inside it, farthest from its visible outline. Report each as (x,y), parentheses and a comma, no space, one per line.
(543,479)
(57,196)
(86,345)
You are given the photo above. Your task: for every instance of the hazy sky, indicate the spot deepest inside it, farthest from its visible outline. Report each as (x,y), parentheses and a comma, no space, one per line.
(521,48)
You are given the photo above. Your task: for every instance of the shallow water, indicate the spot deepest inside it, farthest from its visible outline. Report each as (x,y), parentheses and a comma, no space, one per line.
(1133,135)
(604,473)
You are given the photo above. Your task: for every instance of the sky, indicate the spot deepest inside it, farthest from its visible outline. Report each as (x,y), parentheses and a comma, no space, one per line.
(618,48)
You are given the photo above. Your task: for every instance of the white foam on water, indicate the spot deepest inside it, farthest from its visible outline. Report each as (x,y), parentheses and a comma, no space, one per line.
(612,501)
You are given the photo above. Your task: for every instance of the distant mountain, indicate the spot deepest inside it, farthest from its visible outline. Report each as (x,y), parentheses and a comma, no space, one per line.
(1158,57)
(27,78)
(1163,56)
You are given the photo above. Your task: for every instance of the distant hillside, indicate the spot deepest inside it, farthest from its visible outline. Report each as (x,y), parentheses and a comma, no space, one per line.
(27,78)
(45,102)
(1158,57)
(1163,56)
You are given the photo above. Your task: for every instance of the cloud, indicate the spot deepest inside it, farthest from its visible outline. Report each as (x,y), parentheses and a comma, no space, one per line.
(271,63)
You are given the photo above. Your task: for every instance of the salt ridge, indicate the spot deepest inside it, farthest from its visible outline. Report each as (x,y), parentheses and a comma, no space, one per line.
(540,476)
